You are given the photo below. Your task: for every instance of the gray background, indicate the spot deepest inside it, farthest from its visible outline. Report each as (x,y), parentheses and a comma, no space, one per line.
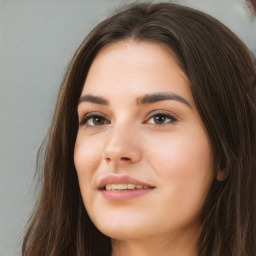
(37,40)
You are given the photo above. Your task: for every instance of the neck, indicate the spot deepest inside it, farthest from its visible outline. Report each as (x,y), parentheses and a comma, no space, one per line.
(173,245)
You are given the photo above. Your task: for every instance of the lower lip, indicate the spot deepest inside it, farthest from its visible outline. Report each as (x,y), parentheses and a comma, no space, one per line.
(119,195)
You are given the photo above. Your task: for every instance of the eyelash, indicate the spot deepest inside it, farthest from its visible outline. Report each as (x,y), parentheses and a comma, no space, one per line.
(172,118)
(89,117)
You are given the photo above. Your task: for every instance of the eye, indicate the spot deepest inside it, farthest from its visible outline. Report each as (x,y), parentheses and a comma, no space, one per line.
(161,118)
(94,120)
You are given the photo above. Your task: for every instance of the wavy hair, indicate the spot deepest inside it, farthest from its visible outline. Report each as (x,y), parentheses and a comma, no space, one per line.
(222,78)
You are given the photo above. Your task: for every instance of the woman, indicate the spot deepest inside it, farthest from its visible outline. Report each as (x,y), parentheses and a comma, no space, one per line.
(152,145)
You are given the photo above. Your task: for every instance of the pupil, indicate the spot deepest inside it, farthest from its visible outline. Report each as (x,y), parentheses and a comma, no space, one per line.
(159,119)
(97,120)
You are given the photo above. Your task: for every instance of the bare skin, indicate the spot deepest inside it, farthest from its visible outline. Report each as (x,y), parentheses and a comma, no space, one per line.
(162,142)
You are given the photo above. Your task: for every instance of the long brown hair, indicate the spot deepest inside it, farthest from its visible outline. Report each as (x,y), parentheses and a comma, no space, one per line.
(222,77)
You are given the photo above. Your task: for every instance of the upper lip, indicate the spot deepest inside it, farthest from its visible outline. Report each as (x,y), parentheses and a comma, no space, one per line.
(124,179)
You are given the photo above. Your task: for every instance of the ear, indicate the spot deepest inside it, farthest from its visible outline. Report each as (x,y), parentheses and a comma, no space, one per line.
(221,175)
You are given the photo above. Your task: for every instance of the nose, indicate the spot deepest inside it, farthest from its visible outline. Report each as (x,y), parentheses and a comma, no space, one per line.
(122,146)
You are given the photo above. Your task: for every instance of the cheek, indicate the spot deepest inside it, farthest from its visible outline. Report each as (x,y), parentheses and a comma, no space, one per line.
(87,155)
(188,158)
(182,154)
(185,164)
(188,151)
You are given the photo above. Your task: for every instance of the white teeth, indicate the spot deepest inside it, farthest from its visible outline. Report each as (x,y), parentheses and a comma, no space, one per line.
(131,186)
(125,187)
(114,186)
(109,187)
(121,186)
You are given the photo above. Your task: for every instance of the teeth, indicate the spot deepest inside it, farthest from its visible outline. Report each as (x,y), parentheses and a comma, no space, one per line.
(125,187)
(131,186)
(109,187)
(114,186)
(121,186)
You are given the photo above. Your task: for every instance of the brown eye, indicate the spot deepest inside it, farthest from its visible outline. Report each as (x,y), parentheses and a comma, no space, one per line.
(162,119)
(98,120)
(94,120)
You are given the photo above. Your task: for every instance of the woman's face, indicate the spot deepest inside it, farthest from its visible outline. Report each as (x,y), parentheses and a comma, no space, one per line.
(142,154)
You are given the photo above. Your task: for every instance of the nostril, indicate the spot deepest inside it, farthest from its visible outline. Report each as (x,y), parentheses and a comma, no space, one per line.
(108,159)
(125,159)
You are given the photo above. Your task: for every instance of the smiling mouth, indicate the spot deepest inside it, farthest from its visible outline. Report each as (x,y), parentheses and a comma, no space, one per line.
(124,187)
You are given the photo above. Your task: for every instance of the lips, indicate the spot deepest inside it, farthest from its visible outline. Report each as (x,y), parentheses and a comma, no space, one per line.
(124,182)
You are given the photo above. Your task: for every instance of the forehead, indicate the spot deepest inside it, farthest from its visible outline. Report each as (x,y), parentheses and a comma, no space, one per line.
(139,67)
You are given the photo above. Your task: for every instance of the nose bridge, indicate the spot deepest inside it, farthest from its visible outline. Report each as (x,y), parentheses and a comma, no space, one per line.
(122,143)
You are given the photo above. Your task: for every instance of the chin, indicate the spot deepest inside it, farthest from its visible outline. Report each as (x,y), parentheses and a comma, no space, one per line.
(126,228)
(121,234)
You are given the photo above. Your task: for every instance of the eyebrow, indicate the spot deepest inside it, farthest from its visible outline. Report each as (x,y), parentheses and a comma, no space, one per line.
(155,97)
(93,99)
(146,99)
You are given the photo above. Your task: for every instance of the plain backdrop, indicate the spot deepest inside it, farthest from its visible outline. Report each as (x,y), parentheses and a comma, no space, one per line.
(37,41)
